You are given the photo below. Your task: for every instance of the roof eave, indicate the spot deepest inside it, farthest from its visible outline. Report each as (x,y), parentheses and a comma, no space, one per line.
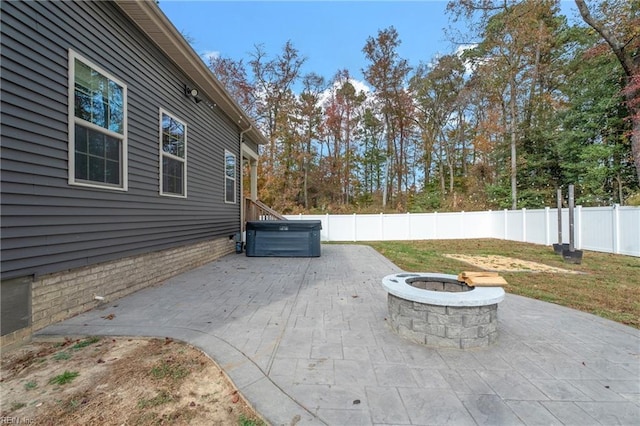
(153,22)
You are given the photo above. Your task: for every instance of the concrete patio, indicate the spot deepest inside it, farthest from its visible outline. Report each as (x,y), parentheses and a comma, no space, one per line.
(305,340)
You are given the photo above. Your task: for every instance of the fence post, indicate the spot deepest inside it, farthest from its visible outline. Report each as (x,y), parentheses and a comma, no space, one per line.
(355,228)
(328,227)
(382,227)
(547,227)
(435,225)
(616,229)
(490,213)
(578,226)
(524,224)
(504,236)
(409,226)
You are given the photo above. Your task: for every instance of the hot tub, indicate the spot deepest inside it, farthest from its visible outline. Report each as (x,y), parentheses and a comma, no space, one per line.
(438,310)
(283,238)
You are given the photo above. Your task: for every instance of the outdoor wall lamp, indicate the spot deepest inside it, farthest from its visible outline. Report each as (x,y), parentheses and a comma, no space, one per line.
(193,93)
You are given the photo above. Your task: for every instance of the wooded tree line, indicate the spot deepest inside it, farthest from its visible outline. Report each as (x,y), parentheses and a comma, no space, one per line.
(531,104)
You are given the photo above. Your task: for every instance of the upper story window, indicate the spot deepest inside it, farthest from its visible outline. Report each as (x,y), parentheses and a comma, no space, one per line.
(229,177)
(173,156)
(97,126)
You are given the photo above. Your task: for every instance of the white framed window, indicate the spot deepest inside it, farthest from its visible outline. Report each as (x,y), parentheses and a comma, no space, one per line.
(229,177)
(97,126)
(173,155)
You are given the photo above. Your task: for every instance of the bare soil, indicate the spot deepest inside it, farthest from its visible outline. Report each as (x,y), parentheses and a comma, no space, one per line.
(118,382)
(506,264)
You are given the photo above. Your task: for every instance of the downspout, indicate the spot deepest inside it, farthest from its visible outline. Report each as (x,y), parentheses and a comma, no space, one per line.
(243,206)
(245,131)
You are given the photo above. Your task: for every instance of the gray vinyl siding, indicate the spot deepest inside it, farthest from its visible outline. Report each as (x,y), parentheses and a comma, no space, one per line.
(49,225)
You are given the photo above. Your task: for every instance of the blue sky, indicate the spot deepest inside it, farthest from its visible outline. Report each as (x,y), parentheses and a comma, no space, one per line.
(330,34)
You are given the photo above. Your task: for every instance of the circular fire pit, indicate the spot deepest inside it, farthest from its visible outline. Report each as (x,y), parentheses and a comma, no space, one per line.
(438,310)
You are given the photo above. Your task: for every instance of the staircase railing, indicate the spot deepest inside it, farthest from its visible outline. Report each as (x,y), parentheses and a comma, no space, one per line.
(256,210)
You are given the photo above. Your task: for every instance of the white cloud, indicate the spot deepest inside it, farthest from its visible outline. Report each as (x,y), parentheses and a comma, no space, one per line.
(463,47)
(360,86)
(209,54)
(469,66)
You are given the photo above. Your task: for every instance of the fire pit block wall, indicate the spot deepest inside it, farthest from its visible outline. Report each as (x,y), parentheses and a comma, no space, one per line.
(444,326)
(438,310)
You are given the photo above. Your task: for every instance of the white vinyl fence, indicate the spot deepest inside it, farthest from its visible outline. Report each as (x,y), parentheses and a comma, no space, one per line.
(607,229)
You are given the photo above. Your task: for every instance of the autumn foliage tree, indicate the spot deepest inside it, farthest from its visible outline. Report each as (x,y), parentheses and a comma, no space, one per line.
(387,73)
(526,104)
(618,23)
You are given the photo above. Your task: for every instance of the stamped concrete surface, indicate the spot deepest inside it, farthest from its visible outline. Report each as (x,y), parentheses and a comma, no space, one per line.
(306,341)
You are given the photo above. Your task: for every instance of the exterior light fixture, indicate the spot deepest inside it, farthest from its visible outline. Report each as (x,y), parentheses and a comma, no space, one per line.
(193,92)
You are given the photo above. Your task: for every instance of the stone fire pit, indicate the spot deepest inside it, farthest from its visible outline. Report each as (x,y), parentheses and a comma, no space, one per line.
(438,310)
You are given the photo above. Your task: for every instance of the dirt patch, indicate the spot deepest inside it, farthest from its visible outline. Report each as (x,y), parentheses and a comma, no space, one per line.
(118,382)
(506,264)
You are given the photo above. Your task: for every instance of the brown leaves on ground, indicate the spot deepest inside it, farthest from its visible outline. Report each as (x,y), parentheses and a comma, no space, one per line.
(120,381)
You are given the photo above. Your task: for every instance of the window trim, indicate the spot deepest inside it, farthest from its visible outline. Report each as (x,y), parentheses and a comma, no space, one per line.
(73,120)
(234,178)
(163,154)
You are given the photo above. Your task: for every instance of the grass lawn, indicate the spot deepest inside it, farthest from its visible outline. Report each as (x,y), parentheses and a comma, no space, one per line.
(608,286)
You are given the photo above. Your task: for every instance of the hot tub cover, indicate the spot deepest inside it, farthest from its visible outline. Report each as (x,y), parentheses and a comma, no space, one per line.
(283,238)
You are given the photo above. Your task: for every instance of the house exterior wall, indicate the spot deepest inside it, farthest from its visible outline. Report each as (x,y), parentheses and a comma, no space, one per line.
(51,227)
(61,295)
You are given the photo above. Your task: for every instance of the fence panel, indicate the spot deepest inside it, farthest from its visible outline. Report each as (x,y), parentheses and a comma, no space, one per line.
(607,229)
(369,227)
(342,226)
(513,225)
(423,226)
(628,226)
(597,229)
(396,227)
(536,226)
(448,226)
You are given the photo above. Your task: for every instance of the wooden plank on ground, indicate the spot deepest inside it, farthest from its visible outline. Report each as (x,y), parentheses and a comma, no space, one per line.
(468,274)
(493,281)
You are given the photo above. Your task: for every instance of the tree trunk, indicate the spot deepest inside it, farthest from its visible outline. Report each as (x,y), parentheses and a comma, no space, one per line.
(451,175)
(634,109)
(306,160)
(513,127)
(463,141)
(442,183)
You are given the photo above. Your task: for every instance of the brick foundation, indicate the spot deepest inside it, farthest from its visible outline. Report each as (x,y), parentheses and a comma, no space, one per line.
(58,296)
